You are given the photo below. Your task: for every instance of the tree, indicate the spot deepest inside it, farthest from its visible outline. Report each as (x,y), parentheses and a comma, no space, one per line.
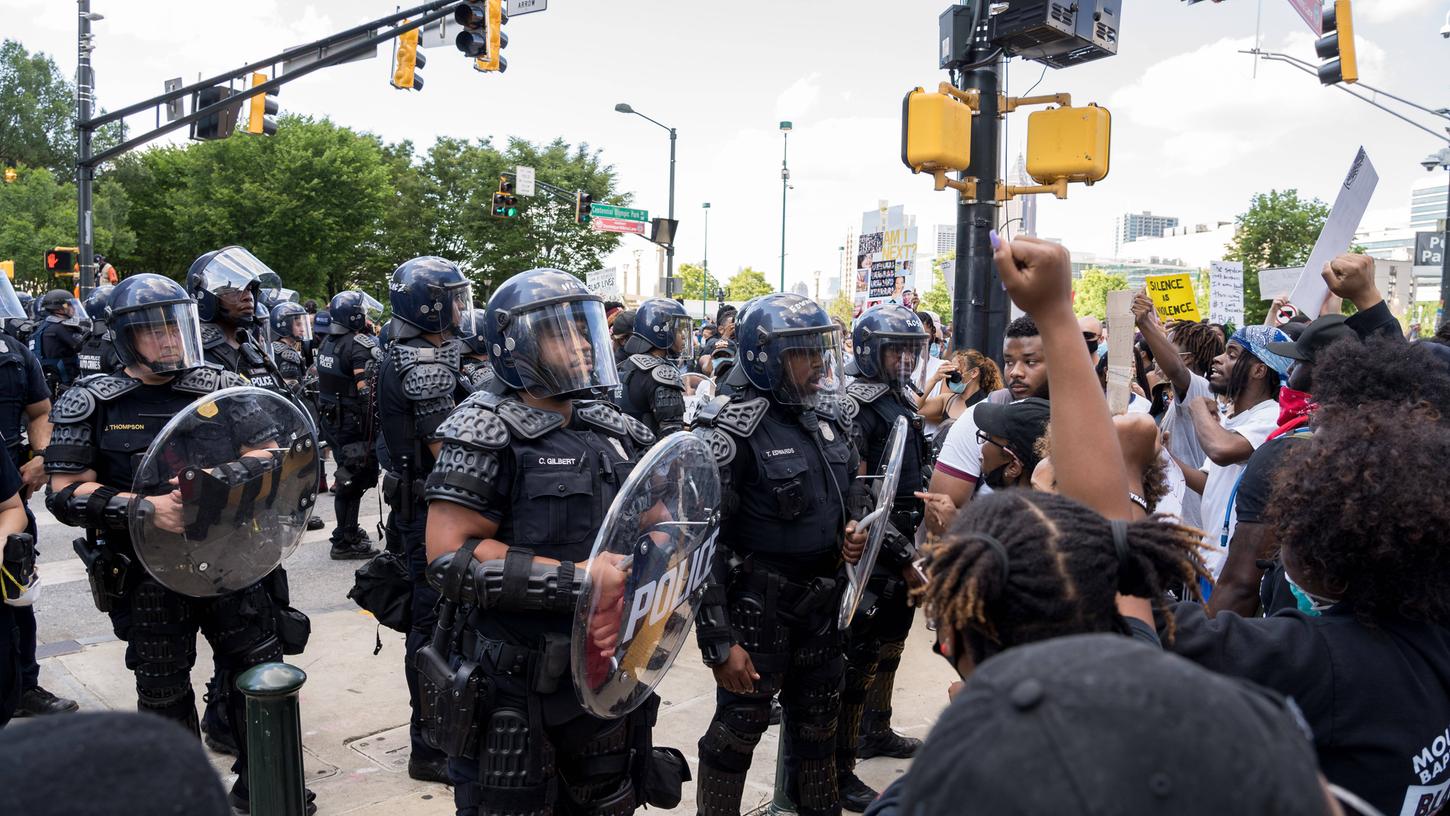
(38,213)
(938,298)
(37,114)
(692,278)
(1091,292)
(1278,230)
(842,309)
(748,283)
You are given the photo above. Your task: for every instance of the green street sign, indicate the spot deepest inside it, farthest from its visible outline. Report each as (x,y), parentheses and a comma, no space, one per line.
(622,213)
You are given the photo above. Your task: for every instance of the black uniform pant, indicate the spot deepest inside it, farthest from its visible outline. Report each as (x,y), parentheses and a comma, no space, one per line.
(160,628)
(424,608)
(537,757)
(787,624)
(874,645)
(357,473)
(9,664)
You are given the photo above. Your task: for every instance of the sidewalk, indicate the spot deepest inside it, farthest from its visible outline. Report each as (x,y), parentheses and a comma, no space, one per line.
(355,712)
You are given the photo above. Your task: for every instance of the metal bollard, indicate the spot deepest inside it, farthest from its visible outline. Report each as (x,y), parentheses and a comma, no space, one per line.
(274,739)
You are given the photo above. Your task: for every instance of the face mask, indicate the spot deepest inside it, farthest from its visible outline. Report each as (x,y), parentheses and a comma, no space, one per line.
(957,387)
(935,349)
(997,479)
(1312,605)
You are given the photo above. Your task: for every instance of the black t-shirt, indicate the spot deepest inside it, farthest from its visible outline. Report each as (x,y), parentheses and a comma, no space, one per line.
(1376,698)
(1257,483)
(9,479)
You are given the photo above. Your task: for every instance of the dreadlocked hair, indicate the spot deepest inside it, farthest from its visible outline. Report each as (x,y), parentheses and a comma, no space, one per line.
(1061,575)
(1201,341)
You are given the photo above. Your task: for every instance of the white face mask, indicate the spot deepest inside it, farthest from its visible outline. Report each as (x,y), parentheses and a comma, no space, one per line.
(27,594)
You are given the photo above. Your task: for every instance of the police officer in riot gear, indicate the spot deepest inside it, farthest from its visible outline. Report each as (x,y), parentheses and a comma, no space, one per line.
(524,477)
(347,363)
(57,339)
(96,355)
(225,284)
(418,387)
(477,370)
(652,390)
(767,623)
(889,341)
(291,332)
(100,426)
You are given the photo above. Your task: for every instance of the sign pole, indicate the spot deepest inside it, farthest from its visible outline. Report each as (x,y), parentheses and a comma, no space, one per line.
(1444,257)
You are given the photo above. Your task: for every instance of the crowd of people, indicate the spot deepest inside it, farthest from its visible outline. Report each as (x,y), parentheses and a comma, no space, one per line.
(1225,598)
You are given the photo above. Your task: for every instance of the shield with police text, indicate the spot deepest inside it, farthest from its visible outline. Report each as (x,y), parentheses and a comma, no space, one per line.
(224,492)
(647,572)
(883,487)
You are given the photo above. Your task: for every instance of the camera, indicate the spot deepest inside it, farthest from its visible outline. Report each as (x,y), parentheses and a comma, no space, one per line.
(954,377)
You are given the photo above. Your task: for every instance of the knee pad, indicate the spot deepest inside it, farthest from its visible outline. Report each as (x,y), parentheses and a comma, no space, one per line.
(730,741)
(515,766)
(811,714)
(175,651)
(155,606)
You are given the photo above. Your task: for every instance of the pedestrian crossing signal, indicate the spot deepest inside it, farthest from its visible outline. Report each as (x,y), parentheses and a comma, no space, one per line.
(60,261)
(505,203)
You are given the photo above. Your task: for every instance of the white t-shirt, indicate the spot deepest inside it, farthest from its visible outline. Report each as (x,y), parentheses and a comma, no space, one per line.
(961,454)
(1255,425)
(1139,405)
(1172,501)
(1177,425)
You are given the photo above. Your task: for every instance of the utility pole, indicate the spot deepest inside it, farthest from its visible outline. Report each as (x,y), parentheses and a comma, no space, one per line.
(85,172)
(979,304)
(705,278)
(785,128)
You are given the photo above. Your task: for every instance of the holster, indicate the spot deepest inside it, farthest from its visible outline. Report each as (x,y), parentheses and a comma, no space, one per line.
(106,570)
(454,695)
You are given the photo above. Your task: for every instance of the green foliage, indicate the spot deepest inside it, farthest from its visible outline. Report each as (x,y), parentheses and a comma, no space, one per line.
(1092,292)
(746,284)
(843,309)
(1278,230)
(698,285)
(937,298)
(37,214)
(37,114)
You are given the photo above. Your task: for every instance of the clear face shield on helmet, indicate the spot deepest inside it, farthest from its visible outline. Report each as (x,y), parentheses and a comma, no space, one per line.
(234,276)
(461,297)
(682,330)
(562,348)
(162,338)
(295,324)
(897,357)
(810,368)
(78,315)
(10,306)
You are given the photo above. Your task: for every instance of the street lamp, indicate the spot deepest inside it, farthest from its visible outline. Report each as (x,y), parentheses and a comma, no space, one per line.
(785,128)
(623,107)
(1441,158)
(705,278)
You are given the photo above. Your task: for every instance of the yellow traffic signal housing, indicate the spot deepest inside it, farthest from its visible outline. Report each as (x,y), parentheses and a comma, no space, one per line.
(1337,44)
(8,267)
(936,132)
(1069,144)
(496,41)
(409,60)
(260,110)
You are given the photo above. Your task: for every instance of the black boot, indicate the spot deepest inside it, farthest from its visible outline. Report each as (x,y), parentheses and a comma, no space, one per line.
(887,743)
(429,770)
(37,702)
(856,795)
(241,803)
(351,545)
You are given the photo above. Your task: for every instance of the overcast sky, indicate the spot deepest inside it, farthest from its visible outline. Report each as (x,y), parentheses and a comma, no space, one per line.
(1194,134)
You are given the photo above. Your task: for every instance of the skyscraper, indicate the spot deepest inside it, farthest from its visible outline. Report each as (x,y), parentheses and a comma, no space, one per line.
(1427,202)
(1132,226)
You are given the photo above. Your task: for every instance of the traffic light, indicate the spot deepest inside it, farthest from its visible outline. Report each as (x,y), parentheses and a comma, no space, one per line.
(472,15)
(10,174)
(409,60)
(1337,44)
(1069,143)
(505,203)
(936,132)
(497,40)
(583,202)
(260,110)
(217,125)
(8,267)
(60,261)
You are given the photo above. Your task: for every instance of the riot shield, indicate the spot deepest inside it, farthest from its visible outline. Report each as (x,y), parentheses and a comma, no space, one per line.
(242,466)
(647,572)
(874,522)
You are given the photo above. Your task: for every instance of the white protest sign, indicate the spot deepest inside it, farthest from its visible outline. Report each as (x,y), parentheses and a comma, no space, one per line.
(1278,281)
(1226,293)
(1120,351)
(603,282)
(885,257)
(1338,232)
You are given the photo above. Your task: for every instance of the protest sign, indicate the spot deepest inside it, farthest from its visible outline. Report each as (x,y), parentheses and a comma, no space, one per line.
(1120,351)
(885,257)
(1276,282)
(1172,296)
(603,282)
(1226,293)
(1338,232)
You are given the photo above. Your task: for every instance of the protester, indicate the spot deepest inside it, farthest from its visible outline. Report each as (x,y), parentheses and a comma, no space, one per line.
(959,383)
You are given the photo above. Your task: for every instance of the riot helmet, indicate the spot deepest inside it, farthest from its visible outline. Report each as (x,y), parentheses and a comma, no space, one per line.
(350,311)
(226,286)
(96,301)
(662,323)
(547,335)
(889,341)
(322,322)
(154,324)
(290,320)
(12,306)
(27,302)
(476,344)
(430,295)
(789,348)
(60,304)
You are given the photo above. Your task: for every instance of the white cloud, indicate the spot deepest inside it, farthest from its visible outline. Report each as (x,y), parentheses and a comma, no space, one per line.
(1383,11)
(798,100)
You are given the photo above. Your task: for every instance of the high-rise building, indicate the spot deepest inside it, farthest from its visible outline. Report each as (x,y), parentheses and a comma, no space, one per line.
(946,239)
(1132,226)
(1020,216)
(1427,201)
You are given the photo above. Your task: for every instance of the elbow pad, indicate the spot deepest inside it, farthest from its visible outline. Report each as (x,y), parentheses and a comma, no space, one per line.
(102,509)
(516,583)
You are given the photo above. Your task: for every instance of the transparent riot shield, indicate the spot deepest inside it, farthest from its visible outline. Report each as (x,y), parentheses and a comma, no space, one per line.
(874,523)
(224,492)
(647,572)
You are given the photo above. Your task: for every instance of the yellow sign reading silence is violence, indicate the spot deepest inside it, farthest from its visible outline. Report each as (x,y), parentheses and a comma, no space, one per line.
(1172,296)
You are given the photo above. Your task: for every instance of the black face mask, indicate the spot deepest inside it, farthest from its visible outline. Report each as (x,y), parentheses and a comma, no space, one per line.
(951,661)
(997,479)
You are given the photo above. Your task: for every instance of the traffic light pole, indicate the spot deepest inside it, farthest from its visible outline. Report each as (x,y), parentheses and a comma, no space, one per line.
(87,125)
(979,304)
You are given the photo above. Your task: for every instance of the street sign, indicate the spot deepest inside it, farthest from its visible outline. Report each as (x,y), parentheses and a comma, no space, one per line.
(1429,248)
(175,108)
(437,34)
(517,7)
(1312,12)
(619,213)
(525,185)
(309,57)
(618,225)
